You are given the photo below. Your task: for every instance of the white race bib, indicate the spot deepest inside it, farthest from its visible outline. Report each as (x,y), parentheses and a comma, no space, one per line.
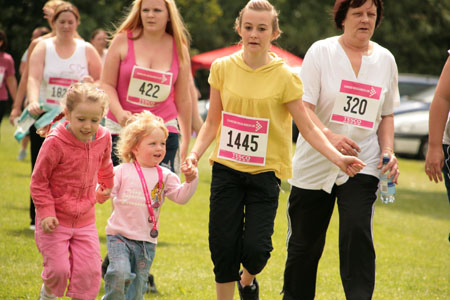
(56,89)
(357,104)
(244,139)
(148,87)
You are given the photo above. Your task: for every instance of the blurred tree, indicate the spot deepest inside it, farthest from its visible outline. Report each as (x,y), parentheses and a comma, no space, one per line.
(415,31)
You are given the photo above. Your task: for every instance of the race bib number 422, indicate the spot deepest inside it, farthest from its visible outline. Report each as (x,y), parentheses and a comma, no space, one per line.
(357,104)
(244,139)
(148,87)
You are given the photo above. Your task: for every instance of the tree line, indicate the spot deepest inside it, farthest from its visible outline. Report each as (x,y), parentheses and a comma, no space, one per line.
(415,31)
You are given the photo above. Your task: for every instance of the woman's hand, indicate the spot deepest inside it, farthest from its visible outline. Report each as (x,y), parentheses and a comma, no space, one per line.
(434,162)
(49,224)
(350,165)
(392,165)
(35,108)
(343,144)
(123,117)
(15,113)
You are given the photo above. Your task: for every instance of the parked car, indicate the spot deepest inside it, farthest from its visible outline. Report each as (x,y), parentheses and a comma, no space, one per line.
(411,124)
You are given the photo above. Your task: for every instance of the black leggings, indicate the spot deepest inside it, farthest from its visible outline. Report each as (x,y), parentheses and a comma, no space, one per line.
(35,145)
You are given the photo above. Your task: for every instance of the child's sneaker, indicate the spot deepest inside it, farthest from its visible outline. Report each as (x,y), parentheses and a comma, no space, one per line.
(44,296)
(22,154)
(250,292)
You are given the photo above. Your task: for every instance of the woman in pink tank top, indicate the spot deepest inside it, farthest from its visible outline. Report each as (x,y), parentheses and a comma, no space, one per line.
(147,68)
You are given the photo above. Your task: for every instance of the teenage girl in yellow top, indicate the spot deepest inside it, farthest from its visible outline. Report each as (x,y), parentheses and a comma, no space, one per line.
(253,96)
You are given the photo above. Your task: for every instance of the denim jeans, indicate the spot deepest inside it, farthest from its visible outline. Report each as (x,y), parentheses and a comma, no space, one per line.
(129,264)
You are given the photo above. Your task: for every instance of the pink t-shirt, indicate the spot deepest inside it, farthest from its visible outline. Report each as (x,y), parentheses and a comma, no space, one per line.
(130,215)
(147,89)
(6,70)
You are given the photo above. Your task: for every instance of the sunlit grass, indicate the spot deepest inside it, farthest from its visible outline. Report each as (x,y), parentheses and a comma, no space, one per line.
(411,240)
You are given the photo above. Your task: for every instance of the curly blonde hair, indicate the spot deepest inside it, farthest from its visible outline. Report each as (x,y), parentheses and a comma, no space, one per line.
(138,126)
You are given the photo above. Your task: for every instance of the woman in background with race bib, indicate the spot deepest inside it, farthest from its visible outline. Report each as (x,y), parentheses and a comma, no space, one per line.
(253,95)
(56,62)
(350,86)
(147,68)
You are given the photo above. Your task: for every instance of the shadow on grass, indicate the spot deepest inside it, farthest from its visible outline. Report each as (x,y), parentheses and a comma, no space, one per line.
(432,204)
(21,232)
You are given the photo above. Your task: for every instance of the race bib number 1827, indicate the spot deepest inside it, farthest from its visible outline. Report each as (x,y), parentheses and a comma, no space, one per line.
(244,139)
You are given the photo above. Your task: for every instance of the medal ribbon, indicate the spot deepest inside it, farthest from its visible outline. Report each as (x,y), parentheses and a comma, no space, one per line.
(148,199)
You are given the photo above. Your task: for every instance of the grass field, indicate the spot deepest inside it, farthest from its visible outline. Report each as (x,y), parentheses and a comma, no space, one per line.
(411,241)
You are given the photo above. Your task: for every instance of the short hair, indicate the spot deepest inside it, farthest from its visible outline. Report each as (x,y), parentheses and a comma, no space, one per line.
(137,127)
(4,39)
(66,7)
(341,8)
(259,5)
(175,27)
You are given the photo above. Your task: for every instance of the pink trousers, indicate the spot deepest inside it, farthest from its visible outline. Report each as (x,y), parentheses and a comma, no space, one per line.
(70,255)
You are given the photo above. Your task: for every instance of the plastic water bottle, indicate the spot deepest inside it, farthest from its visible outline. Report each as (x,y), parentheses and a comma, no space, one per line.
(387,187)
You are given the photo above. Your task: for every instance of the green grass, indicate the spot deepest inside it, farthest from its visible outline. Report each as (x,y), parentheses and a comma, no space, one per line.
(413,253)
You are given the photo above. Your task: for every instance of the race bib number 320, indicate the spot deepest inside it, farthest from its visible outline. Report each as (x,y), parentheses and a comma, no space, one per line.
(244,139)
(357,104)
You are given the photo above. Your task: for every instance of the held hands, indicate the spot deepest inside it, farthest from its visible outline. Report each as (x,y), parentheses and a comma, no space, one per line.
(391,165)
(102,194)
(49,224)
(434,162)
(189,167)
(350,165)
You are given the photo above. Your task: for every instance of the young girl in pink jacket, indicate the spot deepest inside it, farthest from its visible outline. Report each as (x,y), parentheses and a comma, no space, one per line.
(140,186)
(75,156)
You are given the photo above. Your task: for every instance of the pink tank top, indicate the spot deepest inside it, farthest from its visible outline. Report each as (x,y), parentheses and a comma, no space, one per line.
(136,89)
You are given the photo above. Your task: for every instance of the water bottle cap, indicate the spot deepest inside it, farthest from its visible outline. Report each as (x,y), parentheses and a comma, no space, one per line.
(386,158)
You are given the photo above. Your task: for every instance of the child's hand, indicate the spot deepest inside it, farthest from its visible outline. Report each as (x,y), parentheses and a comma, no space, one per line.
(190,172)
(49,224)
(351,165)
(102,194)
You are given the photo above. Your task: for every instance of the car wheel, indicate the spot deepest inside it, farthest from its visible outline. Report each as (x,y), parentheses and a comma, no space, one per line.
(423,148)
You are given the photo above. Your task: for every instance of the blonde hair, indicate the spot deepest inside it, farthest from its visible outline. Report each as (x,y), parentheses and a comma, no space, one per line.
(259,5)
(52,4)
(138,126)
(175,27)
(79,93)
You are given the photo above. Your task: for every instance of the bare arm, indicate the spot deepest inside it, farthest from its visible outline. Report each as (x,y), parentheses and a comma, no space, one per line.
(314,135)
(35,70)
(11,84)
(117,52)
(94,62)
(209,129)
(184,104)
(439,110)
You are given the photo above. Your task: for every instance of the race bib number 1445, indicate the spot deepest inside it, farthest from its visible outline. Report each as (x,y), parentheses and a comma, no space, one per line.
(244,139)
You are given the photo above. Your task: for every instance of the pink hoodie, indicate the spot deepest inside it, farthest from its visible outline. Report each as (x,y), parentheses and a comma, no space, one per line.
(66,173)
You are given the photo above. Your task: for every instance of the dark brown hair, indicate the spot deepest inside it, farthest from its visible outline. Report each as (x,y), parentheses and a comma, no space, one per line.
(341,7)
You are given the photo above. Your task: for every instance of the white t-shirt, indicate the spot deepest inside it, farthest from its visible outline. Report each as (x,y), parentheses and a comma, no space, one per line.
(326,69)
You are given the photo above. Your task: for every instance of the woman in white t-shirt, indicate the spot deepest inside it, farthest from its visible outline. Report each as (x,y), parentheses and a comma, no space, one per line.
(350,88)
